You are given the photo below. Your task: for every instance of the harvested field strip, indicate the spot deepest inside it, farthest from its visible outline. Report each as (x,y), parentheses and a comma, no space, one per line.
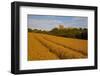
(63,53)
(64,45)
(36,51)
(74,44)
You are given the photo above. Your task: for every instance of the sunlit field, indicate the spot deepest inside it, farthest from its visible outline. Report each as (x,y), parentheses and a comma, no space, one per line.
(49,47)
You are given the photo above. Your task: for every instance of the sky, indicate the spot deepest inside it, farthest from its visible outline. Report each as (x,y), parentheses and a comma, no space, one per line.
(47,22)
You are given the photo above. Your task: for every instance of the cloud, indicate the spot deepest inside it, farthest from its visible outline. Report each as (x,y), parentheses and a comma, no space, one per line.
(44,24)
(49,22)
(77,22)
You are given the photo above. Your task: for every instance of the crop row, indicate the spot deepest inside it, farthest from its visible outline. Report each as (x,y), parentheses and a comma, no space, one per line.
(74,44)
(37,51)
(60,51)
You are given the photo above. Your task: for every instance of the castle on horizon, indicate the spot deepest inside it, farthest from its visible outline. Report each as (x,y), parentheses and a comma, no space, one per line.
(61,27)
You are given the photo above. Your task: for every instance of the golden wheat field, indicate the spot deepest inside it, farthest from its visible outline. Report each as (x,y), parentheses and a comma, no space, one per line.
(49,47)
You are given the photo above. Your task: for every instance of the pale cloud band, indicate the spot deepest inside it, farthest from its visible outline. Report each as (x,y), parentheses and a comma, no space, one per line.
(47,22)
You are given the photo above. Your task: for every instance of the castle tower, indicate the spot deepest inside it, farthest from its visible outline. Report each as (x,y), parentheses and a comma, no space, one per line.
(61,26)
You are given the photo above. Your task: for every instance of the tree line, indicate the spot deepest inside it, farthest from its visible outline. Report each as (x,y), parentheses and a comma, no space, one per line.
(80,33)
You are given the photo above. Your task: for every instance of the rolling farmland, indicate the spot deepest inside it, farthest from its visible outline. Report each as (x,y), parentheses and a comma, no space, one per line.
(49,47)
(36,51)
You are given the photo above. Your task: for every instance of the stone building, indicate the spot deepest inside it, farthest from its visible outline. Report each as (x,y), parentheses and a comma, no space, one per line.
(61,26)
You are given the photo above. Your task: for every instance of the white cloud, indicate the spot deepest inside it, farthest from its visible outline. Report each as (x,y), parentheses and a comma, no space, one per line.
(43,23)
(48,24)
